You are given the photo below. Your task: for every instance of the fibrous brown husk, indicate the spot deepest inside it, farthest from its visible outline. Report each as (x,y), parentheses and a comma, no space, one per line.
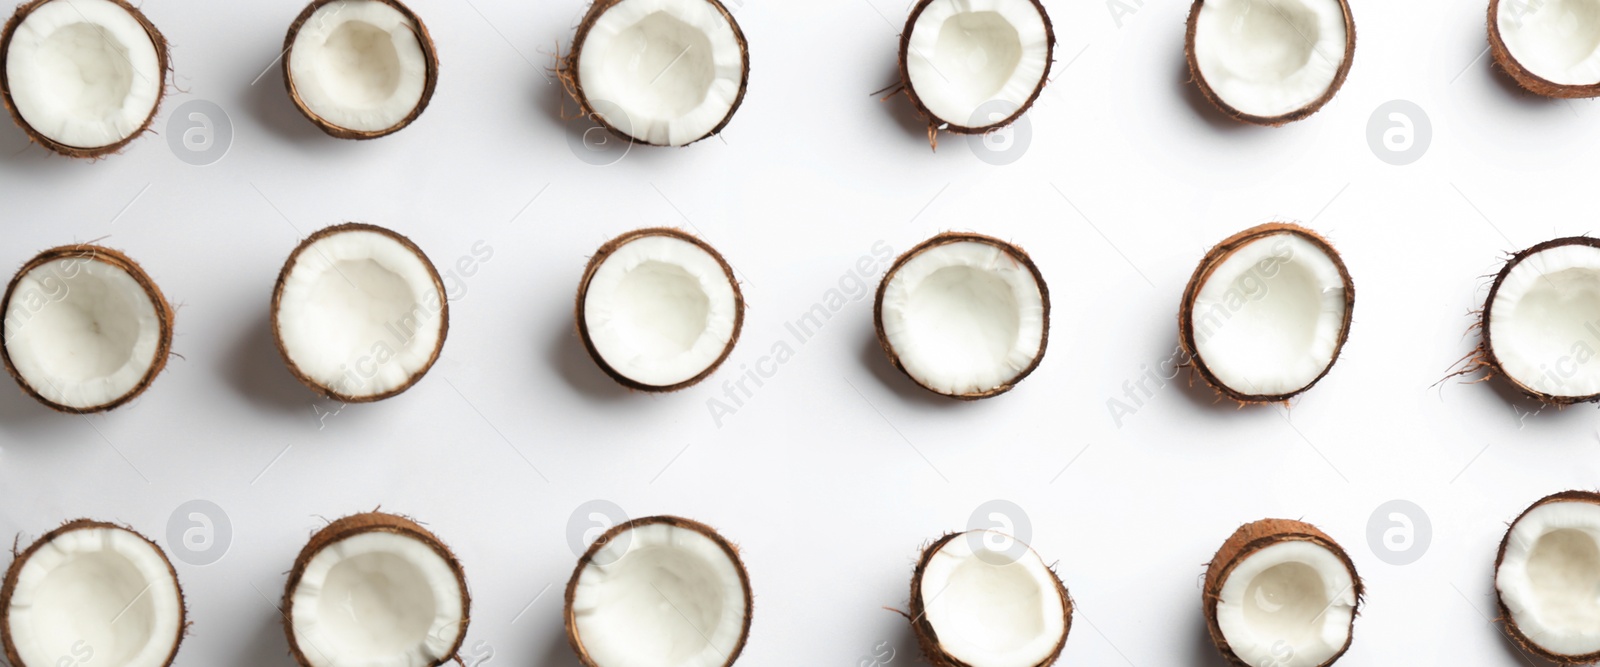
(87,252)
(1531,82)
(1512,631)
(430,77)
(1484,359)
(928,638)
(1271,121)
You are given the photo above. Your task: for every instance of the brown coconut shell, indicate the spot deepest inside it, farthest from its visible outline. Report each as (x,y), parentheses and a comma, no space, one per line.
(358,524)
(1202,274)
(1531,82)
(604,253)
(1514,632)
(10,586)
(277,298)
(1246,541)
(570,616)
(946,238)
(430,80)
(958,125)
(1271,121)
(1485,357)
(163,65)
(86,252)
(572,82)
(928,638)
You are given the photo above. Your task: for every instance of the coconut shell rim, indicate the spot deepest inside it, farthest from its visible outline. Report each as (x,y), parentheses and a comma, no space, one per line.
(1269,121)
(928,638)
(429,83)
(1525,77)
(958,128)
(1513,631)
(1486,344)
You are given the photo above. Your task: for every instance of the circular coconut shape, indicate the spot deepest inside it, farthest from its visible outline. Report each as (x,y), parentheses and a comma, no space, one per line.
(82,77)
(92,592)
(85,330)
(1538,322)
(1281,593)
(375,589)
(359,69)
(1269,65)
(660,591)
(359,313)
(658,72)
(974,66)
(963,315)
(975,604)
(658,309)
(1266,313)
(1545,574)
(1549,47)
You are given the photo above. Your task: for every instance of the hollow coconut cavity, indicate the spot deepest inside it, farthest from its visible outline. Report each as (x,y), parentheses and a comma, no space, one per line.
(1269,62)
(375,589)
(1545,575)
(658,72)
(359,69)
(974,66)
(984,599)
(1266,313)
(1281,593)
(1550,47)
(963,315)
(658,309)
(1540,325)
(359,313)
(85,329)
(82,77)
(91,592)
(659,592)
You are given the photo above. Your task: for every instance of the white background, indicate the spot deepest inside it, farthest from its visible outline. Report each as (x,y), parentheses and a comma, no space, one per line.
(838,469)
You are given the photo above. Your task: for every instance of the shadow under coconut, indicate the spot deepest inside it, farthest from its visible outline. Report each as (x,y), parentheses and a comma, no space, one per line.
(256,370)
(1189,90)
(904,389)
(19,411)
(559,653)
(1526,100)
(270,105)
(572,362)
(268,647)
(1528,410)
(898,106)
(1203,653)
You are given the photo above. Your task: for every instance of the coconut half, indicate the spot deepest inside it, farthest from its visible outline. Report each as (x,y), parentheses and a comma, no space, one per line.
(1281,593)
(85,329)
(983,599)
(1540,325)
(963,315)
(658,72)
(375,589)
(359,313)
(1266,313)
(973,66)
(1550,47)
(91,593)
(659,592)
(658,309)
(359,69)
(82,77)
(1546,574)
(1270,62)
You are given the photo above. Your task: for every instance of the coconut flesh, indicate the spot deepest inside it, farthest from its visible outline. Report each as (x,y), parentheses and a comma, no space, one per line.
(85,328)
(659,592)
(359,312)
(1270,61)
(1267,312)
(975,65)
(92,593)
(359,68)
(662,72)
(964,315)
(984,599)
(1548,570)
(1542,322)
(1281,594)
(659,310)
(83,76)
(1551,47)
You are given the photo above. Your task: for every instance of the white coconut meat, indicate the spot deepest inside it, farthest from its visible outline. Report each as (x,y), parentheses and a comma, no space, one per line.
(377,598)
(1556,40)
(1269,58)
(1545,318)
(360,312)
(1269,319)
(659,595)
(359,65)
(664,72)
(1549,574)
(992,601)
(963,55)
(1287,605)
(964,318)
(660,310)
(98,594)
(83,73)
